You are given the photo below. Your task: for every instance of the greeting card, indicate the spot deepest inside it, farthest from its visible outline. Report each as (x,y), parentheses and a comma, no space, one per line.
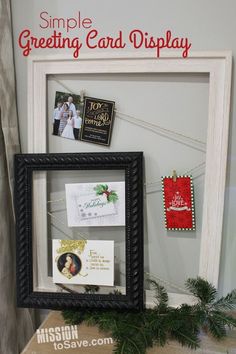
(97,122)
(84,262)
(95,204)
(178,202)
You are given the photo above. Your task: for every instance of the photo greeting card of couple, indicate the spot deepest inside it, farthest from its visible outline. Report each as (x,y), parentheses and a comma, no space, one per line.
(88,119)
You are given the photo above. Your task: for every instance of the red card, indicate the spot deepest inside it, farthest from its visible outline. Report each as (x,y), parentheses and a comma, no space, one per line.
(178,202)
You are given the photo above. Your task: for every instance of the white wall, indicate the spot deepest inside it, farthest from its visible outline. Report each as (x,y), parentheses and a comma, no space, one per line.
(210,25)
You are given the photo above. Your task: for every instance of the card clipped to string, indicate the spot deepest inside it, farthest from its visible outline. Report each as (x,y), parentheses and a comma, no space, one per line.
(178,199)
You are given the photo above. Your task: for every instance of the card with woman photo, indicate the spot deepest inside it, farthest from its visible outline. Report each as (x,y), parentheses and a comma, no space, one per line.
(85,262)
(67,115)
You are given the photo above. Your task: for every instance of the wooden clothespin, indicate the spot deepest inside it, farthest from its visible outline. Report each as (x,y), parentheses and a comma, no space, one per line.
(82,94)
(174,175)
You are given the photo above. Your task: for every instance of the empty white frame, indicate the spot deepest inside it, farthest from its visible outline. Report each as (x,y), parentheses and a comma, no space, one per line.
(216,64)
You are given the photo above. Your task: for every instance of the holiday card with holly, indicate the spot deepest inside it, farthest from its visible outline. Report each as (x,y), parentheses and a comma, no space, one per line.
(95,204)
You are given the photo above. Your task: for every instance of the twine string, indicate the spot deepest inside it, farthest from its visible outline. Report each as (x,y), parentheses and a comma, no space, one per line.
(151,187)
(154,128)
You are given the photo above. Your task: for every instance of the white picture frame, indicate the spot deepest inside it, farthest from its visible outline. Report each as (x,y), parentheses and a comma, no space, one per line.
(217,64)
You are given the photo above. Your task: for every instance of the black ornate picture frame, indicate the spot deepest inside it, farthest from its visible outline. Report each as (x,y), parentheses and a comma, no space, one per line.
(25,166)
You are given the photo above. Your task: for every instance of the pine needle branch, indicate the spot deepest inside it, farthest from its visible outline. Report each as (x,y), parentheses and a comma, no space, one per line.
(202,289)
(134,333)
(161,294)
(227,302)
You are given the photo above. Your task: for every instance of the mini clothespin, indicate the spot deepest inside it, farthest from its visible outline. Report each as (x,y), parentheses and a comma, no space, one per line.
(82,93)
(174,175)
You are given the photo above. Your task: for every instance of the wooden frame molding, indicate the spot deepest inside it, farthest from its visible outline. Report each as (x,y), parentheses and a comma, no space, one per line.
(217,64)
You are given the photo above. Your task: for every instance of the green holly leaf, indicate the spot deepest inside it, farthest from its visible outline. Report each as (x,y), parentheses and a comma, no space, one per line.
(112,197)
(99,189)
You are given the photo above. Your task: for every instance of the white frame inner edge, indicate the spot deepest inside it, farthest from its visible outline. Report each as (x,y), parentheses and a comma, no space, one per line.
(219,67)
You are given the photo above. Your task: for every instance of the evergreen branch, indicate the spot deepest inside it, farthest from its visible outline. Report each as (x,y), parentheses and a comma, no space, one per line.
(141,331)
(161,337)
(227,320)
(227,302)
(216,327)
(192,343)
(91,289)
(136,332)
(202,289)
(161,294)
(128,346)
(123,347)
(73,317)
(134,345)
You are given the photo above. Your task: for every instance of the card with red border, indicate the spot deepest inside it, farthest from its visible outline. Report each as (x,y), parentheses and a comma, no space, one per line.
(178,201)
